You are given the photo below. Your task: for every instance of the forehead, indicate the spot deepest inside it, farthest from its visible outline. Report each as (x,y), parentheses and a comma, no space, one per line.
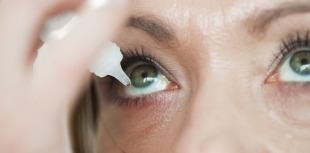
(193,20)
(181,12)
(202,12)
(204,17)
(203,25)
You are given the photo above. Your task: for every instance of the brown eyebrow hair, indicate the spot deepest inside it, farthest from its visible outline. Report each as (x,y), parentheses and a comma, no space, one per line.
(265,18)
(153,26)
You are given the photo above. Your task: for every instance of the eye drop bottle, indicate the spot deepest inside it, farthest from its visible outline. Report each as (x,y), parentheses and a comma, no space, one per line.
(108,60)
(108,63)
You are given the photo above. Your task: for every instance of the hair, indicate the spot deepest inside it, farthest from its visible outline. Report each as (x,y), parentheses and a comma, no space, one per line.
(84,122)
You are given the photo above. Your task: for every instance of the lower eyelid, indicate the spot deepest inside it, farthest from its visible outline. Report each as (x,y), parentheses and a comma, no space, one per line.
(293,88)
(170,87)
(141,102)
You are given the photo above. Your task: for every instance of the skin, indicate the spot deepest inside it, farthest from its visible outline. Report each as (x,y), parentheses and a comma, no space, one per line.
(224,101)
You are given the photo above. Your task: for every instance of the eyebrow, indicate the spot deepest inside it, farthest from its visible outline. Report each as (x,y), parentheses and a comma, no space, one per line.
(153,26)
(265,18)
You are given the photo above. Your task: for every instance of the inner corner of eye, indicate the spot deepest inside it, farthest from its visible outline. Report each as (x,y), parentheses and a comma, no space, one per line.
(273,78)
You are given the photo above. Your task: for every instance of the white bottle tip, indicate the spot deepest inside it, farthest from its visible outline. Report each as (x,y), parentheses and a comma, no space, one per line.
(120,75)
(108,63)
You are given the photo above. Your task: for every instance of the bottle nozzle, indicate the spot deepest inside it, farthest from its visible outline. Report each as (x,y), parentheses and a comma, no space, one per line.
(108,63)
(120,75)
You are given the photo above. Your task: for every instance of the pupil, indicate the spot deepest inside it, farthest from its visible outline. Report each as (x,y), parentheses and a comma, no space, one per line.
(304,61)
(144,75)
(300,63)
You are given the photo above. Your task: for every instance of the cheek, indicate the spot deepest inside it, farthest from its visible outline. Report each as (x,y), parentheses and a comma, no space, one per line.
(137,127)
(291,103)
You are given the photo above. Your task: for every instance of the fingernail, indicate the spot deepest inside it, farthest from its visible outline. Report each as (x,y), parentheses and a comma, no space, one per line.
(94,4)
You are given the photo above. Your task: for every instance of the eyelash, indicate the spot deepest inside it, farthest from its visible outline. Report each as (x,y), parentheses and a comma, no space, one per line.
(293,42)
(128,102)
(131,56)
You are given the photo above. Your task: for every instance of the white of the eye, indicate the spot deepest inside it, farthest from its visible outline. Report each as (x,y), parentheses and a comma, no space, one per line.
(160,83)
(287,74)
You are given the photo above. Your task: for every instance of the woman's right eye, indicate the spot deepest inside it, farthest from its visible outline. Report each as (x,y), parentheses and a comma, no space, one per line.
(145,79)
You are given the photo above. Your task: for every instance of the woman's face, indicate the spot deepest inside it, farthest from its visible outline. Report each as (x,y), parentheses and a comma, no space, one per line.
(228,76)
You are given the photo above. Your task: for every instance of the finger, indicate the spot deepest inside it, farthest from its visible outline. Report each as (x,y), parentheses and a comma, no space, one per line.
(21,22)
(66,66)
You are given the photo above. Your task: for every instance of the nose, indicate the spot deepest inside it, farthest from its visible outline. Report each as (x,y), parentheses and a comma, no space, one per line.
(214,123)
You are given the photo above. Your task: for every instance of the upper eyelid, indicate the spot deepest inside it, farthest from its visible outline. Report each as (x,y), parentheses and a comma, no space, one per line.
(295,41)
(136,54)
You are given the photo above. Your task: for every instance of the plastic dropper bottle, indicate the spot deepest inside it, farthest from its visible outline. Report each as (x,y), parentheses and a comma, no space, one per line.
(109,59)
(108,63)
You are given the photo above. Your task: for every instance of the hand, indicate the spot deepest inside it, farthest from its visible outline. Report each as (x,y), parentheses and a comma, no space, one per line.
(34,107)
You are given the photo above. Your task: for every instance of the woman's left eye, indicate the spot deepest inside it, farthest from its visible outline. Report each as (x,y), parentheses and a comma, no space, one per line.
(145,79)
(296,68)
(295,60)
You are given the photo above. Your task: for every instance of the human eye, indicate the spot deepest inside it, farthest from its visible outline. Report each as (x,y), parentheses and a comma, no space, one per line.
(288,81)
(147,77)
(294,65)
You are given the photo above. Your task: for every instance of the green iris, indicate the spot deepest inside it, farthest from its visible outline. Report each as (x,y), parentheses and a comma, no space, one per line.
(143,75)
(300,62)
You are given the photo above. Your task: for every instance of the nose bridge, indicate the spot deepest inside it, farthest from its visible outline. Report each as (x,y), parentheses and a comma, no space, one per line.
(215,102)
(211,126)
